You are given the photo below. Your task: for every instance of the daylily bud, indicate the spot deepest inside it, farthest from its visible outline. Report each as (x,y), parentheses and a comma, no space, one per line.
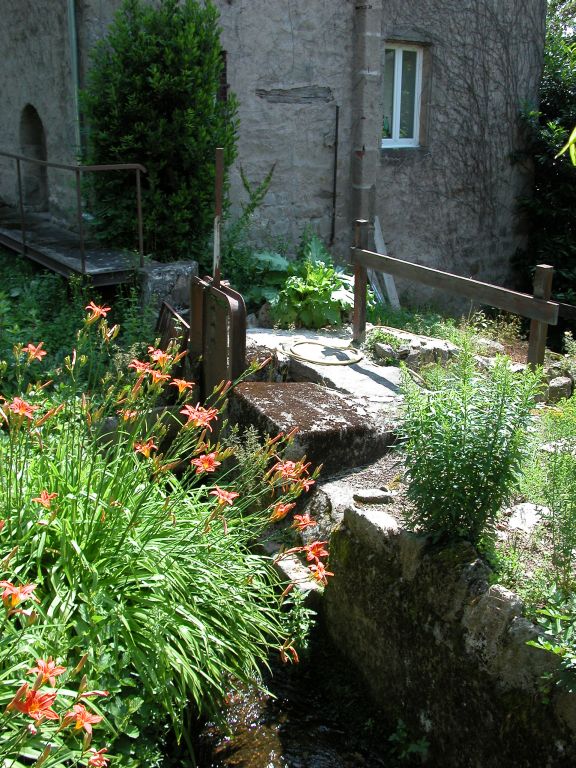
(80,665)
(43,757)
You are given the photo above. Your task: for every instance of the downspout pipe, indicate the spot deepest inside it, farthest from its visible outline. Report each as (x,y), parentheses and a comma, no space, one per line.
(74,71)
(367,106)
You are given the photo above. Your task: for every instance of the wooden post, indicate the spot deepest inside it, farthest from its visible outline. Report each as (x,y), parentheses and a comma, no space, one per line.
(538,330)
(361,231)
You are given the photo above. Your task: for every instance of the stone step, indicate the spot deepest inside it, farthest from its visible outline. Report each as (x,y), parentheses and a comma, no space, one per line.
(335,429)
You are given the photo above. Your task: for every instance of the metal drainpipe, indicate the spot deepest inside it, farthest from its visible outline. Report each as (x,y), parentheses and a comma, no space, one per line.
(73,41)
(367,107)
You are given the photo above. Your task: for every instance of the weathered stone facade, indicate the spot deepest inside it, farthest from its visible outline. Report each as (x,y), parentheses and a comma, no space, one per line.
(441,649)
(298,65)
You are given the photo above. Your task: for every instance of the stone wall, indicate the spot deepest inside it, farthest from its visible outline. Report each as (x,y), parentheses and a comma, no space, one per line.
(35,70)
(444,651)
(450,203)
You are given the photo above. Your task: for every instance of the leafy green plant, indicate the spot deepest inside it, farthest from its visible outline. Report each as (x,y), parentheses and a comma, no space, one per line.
(464,442)
(317,293)
(502,326)
(152,98)
(558,620)
(550,481)
(406,748)
(381,336)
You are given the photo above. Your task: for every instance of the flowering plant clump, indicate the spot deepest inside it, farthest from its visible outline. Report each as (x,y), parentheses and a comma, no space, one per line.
(126,534)
(51,726)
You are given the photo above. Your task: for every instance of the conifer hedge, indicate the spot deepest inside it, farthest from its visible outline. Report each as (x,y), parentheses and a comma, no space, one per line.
(152,97)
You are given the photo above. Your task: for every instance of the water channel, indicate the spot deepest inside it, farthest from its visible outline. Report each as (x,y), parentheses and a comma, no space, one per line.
(315,715)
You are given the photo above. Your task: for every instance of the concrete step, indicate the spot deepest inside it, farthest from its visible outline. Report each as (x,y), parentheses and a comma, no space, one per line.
(335,429)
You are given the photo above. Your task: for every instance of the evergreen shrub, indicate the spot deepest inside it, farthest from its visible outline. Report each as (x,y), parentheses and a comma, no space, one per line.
(152,97)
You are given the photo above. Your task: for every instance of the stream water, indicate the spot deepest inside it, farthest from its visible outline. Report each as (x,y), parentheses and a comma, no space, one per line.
(314,716)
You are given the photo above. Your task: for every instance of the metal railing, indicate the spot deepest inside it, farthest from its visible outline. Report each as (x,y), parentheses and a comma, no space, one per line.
(78,170)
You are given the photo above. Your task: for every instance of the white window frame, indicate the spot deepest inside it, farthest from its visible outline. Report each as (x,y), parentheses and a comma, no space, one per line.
(396,141)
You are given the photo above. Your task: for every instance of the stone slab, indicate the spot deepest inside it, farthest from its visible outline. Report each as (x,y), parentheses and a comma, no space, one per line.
(334,430)
(377,385)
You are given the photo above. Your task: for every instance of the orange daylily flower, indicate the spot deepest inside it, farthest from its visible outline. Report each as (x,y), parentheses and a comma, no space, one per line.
(224,497)
(182,385)
(2,524)
(22,408)
(319,572)
(287,470)
(280,511)
(157,376)
(139,366)
(95,312)
(315,551)
(145,448)
(97,759)
(206,463)
(48,669)
(34,704)
(301,522)
(159,356)
(45,499)
(84,719)
(34,352)
(13,595)
(199,416)
(306,483)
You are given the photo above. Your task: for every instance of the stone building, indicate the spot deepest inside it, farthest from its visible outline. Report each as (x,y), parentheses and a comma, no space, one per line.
(404,109)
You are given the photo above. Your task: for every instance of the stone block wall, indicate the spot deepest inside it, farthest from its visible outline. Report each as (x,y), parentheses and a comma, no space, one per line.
(444,651)
(35,70)
(449,203)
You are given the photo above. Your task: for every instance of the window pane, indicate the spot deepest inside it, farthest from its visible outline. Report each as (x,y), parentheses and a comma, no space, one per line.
(389,56)
(408,97)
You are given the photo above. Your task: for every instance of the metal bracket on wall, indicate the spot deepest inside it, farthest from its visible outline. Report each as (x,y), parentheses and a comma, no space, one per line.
(217,332)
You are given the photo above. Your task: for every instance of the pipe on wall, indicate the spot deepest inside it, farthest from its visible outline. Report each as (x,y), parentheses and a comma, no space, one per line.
(366,105)
(74,71)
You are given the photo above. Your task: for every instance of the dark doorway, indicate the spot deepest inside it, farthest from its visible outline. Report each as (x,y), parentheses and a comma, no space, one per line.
(33,144)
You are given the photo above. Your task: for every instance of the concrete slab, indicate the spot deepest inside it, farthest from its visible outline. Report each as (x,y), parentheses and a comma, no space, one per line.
(334,429)
(377,385)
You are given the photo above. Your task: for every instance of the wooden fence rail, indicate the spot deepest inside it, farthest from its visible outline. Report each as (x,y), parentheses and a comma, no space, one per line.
(538,308)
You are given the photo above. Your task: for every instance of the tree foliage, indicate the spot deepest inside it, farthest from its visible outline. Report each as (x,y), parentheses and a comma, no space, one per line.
(152,98)
(551,210)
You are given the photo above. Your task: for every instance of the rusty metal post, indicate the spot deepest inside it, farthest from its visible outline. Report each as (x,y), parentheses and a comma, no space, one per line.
(21,205)
(361,231)
(140,224)
(543,276)
(80,222)
(219,191)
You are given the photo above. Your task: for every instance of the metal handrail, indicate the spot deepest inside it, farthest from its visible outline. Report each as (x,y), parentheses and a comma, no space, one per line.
(78,171)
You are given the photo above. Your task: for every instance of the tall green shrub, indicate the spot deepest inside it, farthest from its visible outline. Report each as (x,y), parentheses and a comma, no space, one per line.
(152,98)
(464,441)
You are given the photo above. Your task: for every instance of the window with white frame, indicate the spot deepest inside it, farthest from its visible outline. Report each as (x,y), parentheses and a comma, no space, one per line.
(402,79)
